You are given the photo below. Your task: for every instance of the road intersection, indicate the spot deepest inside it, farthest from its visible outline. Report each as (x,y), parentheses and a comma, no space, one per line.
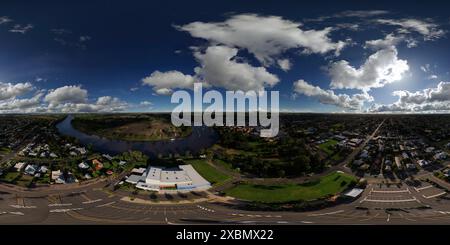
(379,204)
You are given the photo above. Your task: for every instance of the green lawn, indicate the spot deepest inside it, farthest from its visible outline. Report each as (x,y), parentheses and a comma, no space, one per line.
(337,157)
(10,177)
(208,172)
(328,146)
(227,166)
(327,185)
(4,150)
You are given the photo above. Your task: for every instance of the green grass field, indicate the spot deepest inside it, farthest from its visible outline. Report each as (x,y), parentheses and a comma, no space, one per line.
(10,177)
(4,150)
(328,185)
(327,146)
(208,172)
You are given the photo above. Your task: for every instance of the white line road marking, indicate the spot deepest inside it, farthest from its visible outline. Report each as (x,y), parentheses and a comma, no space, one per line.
(106,204)
(388,218)
(365,198)
(403,200)
(64,210)
(307,222)
(59,204)
(92,201)
(437,195)
(399,191)
(21,206)
(371,217)
(335,212)
(423,188)
(206,209)
(401,215)
(15,213)
(282,222)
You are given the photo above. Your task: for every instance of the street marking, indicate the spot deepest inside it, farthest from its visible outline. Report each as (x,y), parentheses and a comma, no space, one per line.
(307,222)
(388,218)
(371,217)
(21,206)
(407,218)
(437,195)
(365,198)
(64,210)
(335,212)
(59,204)
(91,201)
(206,209)
(17,213)
(399,191)
(387,201)
(422,188)
(106,204)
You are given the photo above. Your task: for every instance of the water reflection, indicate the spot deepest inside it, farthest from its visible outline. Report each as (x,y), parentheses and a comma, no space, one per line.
(201,137)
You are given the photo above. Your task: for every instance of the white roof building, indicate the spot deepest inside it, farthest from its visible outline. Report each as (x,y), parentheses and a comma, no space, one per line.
(134,179)
(83,165)
(182,178)
(58,177)
(355,192)
(43,169)
(422,162)
(19,166)
(138,170)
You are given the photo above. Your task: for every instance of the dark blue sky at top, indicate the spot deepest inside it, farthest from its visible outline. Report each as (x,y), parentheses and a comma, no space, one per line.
(131,39)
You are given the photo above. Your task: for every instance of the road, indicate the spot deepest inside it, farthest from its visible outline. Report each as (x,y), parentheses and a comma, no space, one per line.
(358,149)
(95,205)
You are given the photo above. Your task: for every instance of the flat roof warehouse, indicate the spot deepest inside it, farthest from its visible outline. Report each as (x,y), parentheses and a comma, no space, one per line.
(183,178)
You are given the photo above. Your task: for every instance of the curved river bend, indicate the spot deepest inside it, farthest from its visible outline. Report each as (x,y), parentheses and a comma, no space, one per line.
(201,137)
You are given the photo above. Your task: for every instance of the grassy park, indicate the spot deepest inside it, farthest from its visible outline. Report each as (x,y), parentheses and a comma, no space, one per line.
(328,185)
(214,176)
(328,146)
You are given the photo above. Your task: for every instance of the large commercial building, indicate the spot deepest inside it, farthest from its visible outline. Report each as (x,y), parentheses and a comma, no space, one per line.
(183,178)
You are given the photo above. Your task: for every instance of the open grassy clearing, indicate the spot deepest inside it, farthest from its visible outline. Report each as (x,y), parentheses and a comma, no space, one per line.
(328,146)
(328,185)
(214,176)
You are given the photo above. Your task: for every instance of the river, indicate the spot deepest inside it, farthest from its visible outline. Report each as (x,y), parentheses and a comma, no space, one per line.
(201,137)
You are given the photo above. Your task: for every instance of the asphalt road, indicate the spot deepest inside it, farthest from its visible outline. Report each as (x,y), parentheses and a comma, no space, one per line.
(94,205)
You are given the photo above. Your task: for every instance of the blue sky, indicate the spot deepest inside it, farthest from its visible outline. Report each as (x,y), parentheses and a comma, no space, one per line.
(87,56)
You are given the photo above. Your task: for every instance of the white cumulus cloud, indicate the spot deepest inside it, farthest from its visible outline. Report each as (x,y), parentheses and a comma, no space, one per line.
(164,82)
(67,94)
(265,37)
(430,99)
(428,29)
(354,102)
(380,68)
(219,68)
(9,90)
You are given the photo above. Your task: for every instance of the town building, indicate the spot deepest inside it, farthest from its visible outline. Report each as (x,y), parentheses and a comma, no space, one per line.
(182,178)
